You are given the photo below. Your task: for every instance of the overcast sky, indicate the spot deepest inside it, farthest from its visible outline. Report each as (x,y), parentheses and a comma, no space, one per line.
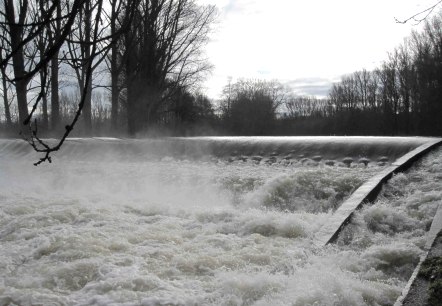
(305,43)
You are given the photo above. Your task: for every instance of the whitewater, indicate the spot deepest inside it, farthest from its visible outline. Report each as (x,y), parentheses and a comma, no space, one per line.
(131,227)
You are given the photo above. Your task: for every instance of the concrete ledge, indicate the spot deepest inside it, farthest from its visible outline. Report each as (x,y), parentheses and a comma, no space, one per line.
(367,193)
(412,294)
(333,148)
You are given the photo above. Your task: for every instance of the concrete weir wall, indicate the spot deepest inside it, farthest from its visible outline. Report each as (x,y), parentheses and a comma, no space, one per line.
(335,149)
(368,192)
(415,292)
(412,293)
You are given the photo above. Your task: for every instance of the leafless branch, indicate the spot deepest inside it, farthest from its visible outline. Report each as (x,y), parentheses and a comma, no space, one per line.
(421,16)
(46,148)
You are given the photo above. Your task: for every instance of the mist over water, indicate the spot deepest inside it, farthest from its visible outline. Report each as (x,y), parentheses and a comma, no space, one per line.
(168,229)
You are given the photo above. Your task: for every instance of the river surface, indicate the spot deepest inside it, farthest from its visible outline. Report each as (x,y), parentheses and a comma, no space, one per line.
(238,229)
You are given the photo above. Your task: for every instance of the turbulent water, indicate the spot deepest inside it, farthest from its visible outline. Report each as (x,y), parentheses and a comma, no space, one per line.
(220,231)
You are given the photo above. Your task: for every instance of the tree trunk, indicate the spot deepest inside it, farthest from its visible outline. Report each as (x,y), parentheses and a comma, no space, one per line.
(5,98)
(21,83)
(23,113)
(55,98)
(114,73)
(87,109)
(86,46)
(135,106)
(45,124)
(115,97)
(132,103)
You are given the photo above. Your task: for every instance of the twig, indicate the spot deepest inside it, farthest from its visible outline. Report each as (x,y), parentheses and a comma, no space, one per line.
(416,17)
(47,150)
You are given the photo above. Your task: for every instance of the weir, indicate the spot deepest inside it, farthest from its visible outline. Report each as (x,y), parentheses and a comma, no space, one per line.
(368,192)
(333,149)
(412,293)
(193,220)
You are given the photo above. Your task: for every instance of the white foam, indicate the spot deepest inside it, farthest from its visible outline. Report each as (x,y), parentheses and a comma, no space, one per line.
(193,233)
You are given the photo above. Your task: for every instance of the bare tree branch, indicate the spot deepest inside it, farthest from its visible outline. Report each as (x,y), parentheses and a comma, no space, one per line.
(421,16)
(47,149)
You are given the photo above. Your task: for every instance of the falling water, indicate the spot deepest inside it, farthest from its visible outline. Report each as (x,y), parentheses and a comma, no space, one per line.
(171,223)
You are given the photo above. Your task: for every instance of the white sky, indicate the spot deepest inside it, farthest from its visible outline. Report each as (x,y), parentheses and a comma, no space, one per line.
(307,43)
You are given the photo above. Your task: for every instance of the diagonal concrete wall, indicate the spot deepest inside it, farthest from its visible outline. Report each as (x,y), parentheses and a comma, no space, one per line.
(414,292)
(367,193)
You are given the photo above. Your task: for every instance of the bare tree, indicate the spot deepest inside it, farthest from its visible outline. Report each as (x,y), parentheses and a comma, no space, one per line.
(80,47)
(38,144)
(305,106)
(21,34)
(53,29)
(15,29)
(406,71)
(41,42)
(5,90)
(362,79)
(164,52)
(252,106)
(115,62)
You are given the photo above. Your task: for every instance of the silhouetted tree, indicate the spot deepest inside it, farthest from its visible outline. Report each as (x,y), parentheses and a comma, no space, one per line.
(251,107)
(405,93)
(163,53)
(5,93)
(304,106)
(53,30)
(115,60)
(14,28)
(22,32)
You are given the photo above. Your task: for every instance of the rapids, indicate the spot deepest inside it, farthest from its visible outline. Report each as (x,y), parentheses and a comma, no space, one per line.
(137,226)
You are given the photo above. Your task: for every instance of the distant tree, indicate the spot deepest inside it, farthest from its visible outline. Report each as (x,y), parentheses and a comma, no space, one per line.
(251,107)
(406,71)
(305,106)
(404,93)
(190,109)
(68,104)
(80,49)
(100,111)
(428,64)
(203,108)
(362,79)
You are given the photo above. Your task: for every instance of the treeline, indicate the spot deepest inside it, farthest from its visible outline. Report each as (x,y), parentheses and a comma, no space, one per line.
(132,67)
(257,107)
(401,97)
(125,65)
